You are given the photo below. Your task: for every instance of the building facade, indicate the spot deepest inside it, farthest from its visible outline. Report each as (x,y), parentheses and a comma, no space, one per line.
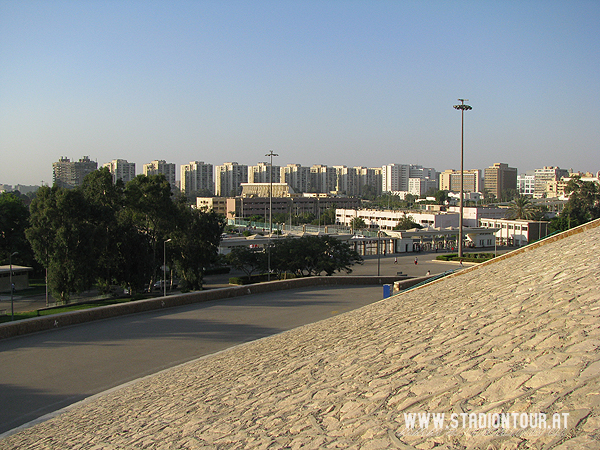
(526,184)
(197,176)
(161,167)
(264,173)
(545,175)
(70,174)
(387,219)
(498,178)
(394,177)
(296,176)
(229,178)
(121,170)
(516,232)
(449,180)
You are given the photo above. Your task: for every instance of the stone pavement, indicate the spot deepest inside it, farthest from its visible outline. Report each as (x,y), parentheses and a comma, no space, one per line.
(508,351)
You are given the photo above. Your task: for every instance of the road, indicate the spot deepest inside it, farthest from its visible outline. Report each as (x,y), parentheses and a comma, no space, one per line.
(47,371)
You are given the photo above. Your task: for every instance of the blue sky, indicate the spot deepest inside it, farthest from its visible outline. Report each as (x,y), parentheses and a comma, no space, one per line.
(318,82)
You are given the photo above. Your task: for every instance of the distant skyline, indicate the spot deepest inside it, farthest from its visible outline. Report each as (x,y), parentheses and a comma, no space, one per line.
(318,82)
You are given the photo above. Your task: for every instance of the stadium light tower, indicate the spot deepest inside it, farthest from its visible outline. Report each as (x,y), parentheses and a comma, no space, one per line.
(462,107)
(271,154)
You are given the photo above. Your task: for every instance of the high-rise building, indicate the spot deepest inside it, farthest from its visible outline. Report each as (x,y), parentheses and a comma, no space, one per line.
(498,178)
(197,176)
(161,167)
(347,180)
(70,174)
(121,170)
(322,179)
(370,177)
(262,173)
(394,177)
(449,180)
(229,178)
(547,175)
(296,176)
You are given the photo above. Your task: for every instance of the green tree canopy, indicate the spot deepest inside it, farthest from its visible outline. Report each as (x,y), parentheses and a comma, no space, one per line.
(14,219)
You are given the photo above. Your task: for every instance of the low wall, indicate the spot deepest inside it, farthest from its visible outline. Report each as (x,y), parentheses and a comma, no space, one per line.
(44,323)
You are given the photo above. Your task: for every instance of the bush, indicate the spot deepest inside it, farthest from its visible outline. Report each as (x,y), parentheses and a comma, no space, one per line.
(468,257)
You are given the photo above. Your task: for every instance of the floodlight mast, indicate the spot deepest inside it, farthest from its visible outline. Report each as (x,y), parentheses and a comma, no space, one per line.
(462,107)
(271,154)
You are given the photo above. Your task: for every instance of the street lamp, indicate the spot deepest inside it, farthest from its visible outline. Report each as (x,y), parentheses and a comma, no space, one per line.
(165,267)
(462,107)
(12,305)
(270,154)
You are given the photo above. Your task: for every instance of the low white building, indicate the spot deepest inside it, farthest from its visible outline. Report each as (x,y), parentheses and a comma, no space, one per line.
(387,219)
(473,214)
(516,232)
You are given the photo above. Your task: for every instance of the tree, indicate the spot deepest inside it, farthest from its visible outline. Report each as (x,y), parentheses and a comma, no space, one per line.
(105,200)
(522,208)
(14,219)
(59,234)
(441,197)
(196,243)
(247,260)
(313,255)
(358,223)
(406,223)
(583,205)
(151,209)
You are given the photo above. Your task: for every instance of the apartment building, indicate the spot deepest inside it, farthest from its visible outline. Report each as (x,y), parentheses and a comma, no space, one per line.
(229,178)
(545,175)
(498,178)
(322,179)
(296,176)
(370,176)
(161,167)
(197,176)
(264,173)
(70,174)
(394,177)
(526,183)
(121,169)
(449,180)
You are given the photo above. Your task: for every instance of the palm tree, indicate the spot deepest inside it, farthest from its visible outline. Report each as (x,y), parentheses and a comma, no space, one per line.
(521,208)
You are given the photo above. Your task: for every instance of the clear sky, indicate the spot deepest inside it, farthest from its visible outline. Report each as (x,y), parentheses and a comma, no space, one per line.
(318,82)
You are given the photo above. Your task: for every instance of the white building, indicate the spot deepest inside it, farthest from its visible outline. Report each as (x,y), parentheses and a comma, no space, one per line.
(262,173)
(121,170)
(161,167)
(545,175)
(472,215)
(322,179)
(297,176)
(197,176)
(516,232)
(229,178)
(526,184)
(394,177)
(387,220)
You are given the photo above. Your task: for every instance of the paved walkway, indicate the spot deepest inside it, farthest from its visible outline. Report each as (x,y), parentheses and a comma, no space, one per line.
(519,337)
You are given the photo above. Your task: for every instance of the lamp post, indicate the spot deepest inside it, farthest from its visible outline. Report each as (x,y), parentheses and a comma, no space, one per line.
(12,306)
(165,267)
(270,154)
(462,107)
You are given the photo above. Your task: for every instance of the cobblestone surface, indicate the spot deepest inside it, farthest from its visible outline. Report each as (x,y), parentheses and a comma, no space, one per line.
(520,336)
